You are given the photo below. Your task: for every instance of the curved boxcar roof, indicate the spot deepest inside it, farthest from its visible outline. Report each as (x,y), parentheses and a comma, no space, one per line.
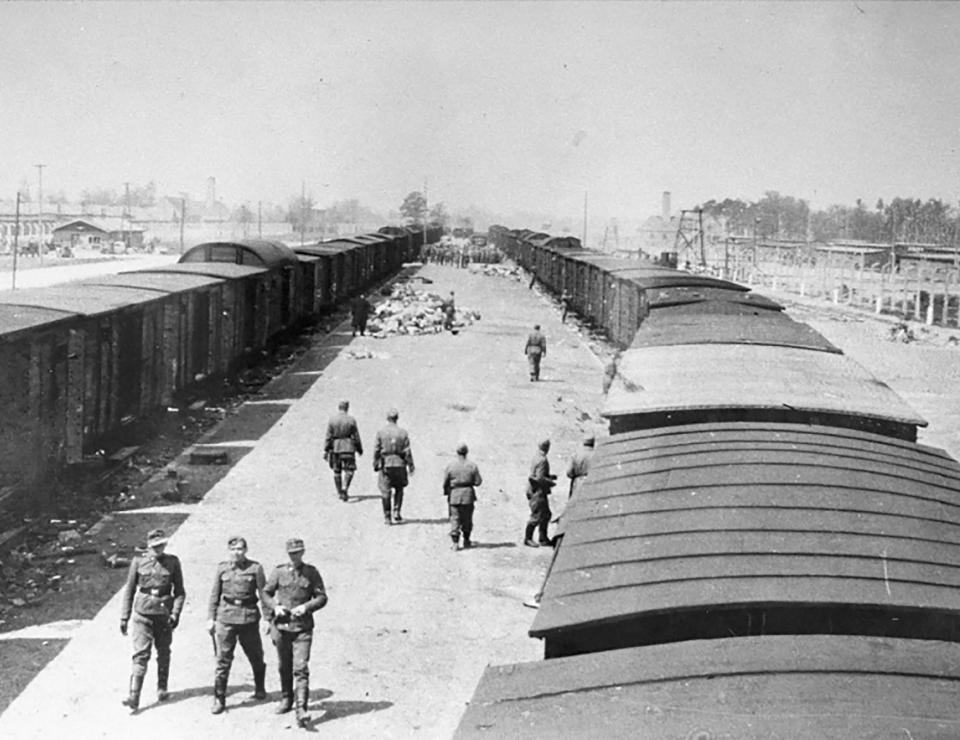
(17,319)
(225,270)
(79,297)
(162,282)
(259,252)
(665,327)
(666,385)
(796,526)
(811,686)
(678,295)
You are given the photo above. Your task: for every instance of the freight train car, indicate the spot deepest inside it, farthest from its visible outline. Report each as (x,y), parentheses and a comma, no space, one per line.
(80,361)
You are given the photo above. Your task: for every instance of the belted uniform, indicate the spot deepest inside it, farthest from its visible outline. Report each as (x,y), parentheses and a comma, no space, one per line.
(153,595)
(392,457)
(343,442)
(535,350)
(292,586)
(539,483)
(233,607)
(459,481)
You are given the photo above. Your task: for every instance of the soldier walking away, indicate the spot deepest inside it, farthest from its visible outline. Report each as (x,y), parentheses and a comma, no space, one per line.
(360,309)
(460,480)
(579,467)
(341,447)
(392,458)
(610,371)
(565,304)
(154,595)
(294,591)
(233,615)
(535,351)
(449,312)
(539,483)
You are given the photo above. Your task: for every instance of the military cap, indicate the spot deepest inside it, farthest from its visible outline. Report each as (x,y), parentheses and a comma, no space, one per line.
(344,405)
(536,327)
(156,537)
(545,445)
(590,441)
(237,540)
(462,448)
(393,414)
(295,544)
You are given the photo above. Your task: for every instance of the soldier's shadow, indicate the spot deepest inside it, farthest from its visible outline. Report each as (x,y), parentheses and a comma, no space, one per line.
(491,545)
(445,520)
(339,709)
(354,499)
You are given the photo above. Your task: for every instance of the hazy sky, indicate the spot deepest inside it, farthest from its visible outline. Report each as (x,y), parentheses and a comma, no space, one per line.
(499,104)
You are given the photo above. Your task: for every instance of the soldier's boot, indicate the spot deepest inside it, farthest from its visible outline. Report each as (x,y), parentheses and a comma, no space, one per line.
(397,503)
(467,544)
(219,695)
(347,477)
(286,694)
(336,482)
(163,676)
(133,698)
(259,683)
(385,504)
(456,542)
(528,536)
(303,717)
(544,538)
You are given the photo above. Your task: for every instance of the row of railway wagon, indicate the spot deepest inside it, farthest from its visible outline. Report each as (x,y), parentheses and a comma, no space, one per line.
(762,549)
(80,361)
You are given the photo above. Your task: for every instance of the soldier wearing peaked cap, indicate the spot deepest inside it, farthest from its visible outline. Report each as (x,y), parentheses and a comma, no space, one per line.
(294,591)
(540,481)
(154,596)
(392,458)
(460,480)
(233,616)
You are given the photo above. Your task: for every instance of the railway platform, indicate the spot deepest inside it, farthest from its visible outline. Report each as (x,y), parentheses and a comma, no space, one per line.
(410,625)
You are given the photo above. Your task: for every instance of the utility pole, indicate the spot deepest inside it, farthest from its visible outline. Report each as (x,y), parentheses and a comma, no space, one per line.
(16,242)
(40,207)
(426,204)
(183,216)
(260,219)
(584,242)
(123,216)
(303,203)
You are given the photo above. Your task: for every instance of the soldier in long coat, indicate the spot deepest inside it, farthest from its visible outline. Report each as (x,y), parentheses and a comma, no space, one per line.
(460,480)
(540,481)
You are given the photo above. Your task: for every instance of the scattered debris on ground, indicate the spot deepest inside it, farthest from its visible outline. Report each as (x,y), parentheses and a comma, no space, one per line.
(502,271)
(416,312)
(901,333)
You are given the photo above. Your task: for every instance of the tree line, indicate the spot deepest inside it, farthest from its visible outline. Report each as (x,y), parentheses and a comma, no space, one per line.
(777,216)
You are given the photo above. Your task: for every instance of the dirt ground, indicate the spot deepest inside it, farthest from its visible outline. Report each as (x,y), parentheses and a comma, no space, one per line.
(410,624)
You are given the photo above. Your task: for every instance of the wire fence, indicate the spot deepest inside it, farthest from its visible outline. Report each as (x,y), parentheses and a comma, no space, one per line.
(916,290)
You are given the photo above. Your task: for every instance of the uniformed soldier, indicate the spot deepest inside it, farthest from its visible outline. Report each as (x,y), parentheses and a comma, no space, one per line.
(294,591)
(535,351)
(565,301)
(539,483)
(460,480)
(610,371)
(360,309)
(154,594)
(579,466)
(392,457)
(233,615)
(341,447)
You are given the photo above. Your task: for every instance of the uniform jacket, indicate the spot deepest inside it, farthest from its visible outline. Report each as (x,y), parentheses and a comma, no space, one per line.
(579,468)
(392,448)
(539,481)
(360,308)
(536,344)
(342,434)
(459,481)
(234,597)
(290,586)
(154,587)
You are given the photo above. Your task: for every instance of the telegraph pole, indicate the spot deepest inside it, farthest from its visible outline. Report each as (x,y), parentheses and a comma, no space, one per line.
(123,216)
(16,242)
(183,216)
(260,219)
(40,207)
(303,199)
(426,206)
(584,242)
